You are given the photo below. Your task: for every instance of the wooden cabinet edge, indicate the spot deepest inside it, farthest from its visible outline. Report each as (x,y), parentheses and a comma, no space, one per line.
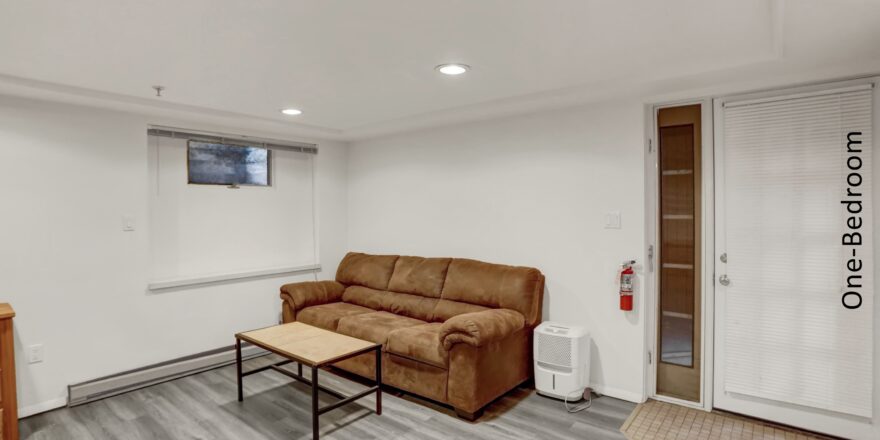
(6,311)
(8,400)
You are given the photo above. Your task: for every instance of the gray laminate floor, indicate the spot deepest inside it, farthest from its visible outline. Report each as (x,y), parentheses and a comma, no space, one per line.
(204,406)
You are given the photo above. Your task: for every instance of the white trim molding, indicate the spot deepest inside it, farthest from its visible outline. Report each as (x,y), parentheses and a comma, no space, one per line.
(617,393)
(42,407)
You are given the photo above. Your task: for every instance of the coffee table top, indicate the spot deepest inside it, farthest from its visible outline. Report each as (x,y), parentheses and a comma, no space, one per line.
(306,344)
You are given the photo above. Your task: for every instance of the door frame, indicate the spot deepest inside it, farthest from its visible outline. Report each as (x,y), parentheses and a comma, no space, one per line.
(707,250)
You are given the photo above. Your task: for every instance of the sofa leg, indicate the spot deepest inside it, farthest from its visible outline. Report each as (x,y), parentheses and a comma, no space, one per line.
(469,416)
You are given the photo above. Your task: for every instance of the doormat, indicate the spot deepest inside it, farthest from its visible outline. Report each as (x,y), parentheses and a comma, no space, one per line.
(660,420)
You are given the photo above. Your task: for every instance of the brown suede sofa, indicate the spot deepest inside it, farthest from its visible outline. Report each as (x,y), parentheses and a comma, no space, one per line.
(453,330)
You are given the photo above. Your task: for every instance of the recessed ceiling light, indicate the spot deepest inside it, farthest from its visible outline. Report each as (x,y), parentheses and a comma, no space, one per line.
(453,69)
(292,111)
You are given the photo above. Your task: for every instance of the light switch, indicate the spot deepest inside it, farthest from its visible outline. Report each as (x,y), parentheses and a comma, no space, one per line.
(612,220)
(128,223)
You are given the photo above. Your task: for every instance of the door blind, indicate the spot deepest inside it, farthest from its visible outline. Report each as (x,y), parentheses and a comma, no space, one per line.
(792,331)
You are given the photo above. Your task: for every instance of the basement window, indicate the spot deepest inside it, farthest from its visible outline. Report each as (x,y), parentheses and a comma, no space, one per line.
(227,164)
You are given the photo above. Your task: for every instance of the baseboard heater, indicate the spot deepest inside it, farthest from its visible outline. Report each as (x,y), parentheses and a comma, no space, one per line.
(126,381)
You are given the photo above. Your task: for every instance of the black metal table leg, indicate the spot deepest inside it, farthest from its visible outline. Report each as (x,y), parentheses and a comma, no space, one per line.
(379,380)
(317,410)
(315,414)
(238,367)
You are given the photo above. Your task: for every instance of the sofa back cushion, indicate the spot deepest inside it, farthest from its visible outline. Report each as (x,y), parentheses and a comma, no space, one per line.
(373,271)
(413,306)
(496,286)
(419,276)
(406,304)
(436,289)
(446,309)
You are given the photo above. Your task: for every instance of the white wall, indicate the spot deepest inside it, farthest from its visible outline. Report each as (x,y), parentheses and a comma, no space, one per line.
(530,190)
(78,282)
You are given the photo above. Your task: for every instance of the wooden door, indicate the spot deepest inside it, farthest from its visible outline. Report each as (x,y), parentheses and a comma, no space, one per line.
(679,293)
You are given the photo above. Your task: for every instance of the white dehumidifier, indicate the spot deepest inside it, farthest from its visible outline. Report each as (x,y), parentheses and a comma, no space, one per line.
(562,360)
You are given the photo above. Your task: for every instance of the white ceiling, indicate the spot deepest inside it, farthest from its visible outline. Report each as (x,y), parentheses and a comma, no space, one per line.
(352,65)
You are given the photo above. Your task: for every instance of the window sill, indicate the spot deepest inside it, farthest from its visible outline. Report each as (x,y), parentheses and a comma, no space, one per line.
(174,283)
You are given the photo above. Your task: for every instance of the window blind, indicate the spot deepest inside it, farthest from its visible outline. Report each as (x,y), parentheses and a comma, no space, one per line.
(790,334)
(199,231)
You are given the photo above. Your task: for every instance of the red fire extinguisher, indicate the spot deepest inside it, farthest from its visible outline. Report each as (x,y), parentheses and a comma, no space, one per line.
(627,276)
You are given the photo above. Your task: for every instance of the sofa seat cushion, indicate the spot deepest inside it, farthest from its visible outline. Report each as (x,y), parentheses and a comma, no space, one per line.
(327,316)
(376,326)
(421,343)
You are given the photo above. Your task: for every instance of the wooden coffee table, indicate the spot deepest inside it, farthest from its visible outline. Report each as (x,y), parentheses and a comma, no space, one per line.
(315,348)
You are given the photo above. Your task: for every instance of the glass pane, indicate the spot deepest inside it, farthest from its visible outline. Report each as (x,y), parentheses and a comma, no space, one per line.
(677,289)
(222,164)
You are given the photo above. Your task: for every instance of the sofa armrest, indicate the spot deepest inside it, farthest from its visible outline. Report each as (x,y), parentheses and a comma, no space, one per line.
(311,293)
(481,328)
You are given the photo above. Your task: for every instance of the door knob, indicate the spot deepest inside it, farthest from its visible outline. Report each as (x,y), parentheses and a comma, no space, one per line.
(723,280)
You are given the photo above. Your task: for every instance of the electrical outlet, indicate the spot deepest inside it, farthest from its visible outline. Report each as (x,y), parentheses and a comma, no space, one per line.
(128,223)
(35,353)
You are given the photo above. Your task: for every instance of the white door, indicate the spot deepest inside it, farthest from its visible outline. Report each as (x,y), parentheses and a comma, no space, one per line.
(793,299)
